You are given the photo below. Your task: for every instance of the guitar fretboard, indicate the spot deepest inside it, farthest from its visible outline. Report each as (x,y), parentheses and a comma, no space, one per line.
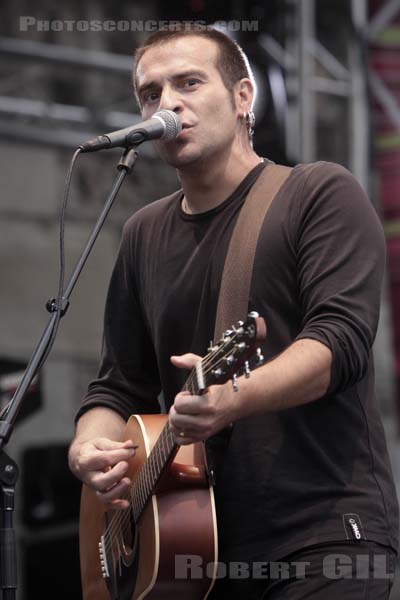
(162,453)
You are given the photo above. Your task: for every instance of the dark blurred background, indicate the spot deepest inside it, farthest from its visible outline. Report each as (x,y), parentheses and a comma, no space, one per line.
(328,79)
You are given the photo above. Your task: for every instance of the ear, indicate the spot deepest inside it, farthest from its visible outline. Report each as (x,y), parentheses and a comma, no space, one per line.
(244,96)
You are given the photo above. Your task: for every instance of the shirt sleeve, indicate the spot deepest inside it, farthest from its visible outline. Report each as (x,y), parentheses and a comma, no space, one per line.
(340,265)
(128,379)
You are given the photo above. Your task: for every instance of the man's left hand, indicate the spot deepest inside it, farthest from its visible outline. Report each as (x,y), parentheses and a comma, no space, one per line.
(195,418)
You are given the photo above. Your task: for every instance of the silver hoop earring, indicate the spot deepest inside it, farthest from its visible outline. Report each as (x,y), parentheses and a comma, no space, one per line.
(250,122)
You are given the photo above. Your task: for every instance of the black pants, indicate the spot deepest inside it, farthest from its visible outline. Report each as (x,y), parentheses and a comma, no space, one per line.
(329,571)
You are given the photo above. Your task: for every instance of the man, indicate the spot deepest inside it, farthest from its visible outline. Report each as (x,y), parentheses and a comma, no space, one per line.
(306,473)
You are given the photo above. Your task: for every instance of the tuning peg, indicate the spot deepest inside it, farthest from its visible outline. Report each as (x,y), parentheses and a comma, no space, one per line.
(241,347)
(253,315)
(217,373)
(234,383)
(210,347)
(240,323)
(227,333)
(247,369)
(230,360)
(260,357)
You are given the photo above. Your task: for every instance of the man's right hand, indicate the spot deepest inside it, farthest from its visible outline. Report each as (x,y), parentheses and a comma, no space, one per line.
(102,463)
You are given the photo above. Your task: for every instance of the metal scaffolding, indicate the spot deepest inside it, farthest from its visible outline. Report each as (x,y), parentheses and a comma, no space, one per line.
(55,124)
(352,81)
(300,59)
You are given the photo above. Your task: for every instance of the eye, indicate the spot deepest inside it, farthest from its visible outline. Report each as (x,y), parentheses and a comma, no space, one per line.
(191,82)
(150,97)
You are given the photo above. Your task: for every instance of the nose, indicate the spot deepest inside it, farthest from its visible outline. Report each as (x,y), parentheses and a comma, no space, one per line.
(171,99)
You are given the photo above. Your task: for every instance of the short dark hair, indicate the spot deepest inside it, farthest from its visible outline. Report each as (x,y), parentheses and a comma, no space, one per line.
(232,63)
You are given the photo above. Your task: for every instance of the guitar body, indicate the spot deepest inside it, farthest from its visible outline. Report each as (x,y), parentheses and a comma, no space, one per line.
(165,545)
(179,519)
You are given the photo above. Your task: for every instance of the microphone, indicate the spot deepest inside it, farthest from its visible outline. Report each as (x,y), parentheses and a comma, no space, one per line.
(164,124)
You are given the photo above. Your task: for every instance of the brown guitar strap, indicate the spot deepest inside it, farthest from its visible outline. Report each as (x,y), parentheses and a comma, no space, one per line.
(238,269)
(236,278)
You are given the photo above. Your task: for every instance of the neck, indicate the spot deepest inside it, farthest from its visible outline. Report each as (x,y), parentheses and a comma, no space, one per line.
(209,183)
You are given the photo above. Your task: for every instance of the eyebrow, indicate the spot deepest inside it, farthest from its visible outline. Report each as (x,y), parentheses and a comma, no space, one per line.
(182,75)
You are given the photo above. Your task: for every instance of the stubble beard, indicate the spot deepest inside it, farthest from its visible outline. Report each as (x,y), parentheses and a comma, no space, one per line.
(198,156)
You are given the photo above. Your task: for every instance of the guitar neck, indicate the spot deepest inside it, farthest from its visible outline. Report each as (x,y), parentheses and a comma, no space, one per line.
(164,450)
(218,366)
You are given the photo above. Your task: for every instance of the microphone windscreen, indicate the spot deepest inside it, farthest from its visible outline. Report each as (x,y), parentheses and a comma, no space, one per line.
(173,123)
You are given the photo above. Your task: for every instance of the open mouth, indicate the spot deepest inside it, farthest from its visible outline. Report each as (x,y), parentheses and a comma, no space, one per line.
(183,133)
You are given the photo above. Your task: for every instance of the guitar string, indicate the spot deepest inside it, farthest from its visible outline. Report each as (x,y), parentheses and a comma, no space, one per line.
(121,518)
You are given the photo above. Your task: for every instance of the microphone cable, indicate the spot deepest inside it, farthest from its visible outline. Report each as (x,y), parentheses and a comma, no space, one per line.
(55,305)
(59,309)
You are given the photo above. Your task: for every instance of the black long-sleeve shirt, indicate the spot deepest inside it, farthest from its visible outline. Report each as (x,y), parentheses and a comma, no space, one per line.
(291,477)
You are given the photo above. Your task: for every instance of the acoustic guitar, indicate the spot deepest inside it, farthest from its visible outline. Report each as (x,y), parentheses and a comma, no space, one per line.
(134,554)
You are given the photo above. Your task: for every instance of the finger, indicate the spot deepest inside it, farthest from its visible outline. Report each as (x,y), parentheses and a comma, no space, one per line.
(194,428)
(97,460)
(185,361)
(107,444)
(119,504)
(102,481)
(184,438)
(114,493)
(193,405)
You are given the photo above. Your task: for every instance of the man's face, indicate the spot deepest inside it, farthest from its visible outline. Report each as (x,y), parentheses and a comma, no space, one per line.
(181,75)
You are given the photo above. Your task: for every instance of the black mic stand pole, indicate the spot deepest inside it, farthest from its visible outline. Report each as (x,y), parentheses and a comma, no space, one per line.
(8,468)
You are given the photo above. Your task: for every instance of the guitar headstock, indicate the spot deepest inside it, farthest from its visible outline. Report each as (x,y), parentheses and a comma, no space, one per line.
(232,353)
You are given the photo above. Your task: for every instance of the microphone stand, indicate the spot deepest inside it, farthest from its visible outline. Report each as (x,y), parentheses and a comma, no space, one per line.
(8,468)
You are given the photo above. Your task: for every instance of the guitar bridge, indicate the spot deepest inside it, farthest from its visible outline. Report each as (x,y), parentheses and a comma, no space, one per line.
(103,559)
